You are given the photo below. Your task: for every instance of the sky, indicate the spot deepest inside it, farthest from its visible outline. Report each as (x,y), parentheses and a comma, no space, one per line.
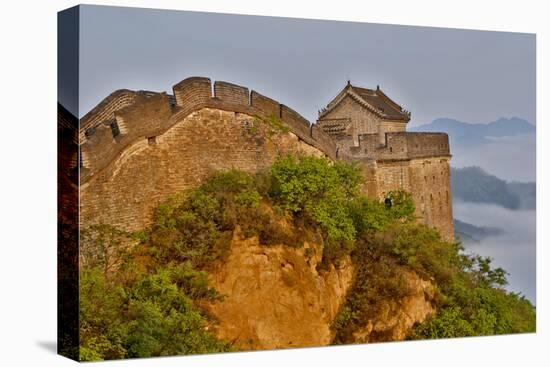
(472,76)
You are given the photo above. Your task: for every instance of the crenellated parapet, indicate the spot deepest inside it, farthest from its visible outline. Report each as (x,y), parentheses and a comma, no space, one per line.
(141,147)
(125,117)
(397,146)
(104,110)
(192,92)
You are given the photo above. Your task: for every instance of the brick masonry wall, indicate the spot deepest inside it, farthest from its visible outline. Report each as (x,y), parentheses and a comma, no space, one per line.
(192,91)
(396,145)
(269,106)
(209,140)
(428,180)
(161,149)
(231,93)
(104,110)
(427,144)
(150,114)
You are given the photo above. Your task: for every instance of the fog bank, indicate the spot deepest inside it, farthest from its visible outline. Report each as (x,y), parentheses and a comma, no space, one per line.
(514,250)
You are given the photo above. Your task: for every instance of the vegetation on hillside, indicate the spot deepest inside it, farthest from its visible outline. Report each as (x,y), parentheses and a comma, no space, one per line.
(142,294)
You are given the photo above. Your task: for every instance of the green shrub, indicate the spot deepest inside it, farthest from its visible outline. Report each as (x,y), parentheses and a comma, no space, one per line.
(321,191)
(162,320)
(401,204)
(154,315)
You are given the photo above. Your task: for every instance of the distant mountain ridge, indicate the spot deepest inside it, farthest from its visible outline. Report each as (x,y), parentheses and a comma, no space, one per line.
(473,184)
(467,134)
(470,233)
(501,127)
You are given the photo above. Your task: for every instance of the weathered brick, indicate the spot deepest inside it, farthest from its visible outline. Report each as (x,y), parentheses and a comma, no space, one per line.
(156,149)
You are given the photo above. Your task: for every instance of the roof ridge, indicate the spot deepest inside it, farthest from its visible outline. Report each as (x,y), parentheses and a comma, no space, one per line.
(390,101)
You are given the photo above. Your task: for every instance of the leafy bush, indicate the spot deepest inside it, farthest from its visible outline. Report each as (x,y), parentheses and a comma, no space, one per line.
(489,311)
(401,204)
(152,316)
(322,192)
(161,319)
(196,227)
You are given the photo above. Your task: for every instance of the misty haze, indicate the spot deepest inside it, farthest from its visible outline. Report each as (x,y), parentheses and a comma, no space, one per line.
(511,158)
(514,249)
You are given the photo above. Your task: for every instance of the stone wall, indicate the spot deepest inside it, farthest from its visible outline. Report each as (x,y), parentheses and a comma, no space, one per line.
(206,141)
(427,179)
(138,148)
(104,110)
(395,146)
(121,122)
(430,185)
(415,162)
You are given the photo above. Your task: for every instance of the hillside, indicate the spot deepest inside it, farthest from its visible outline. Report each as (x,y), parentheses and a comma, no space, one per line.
(292,256)
(473,184)
(468,233)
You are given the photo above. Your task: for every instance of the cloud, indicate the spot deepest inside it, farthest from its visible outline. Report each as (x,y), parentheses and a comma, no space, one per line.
(514,250)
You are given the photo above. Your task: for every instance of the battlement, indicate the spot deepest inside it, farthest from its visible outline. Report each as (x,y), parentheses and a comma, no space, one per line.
(397,146)
(104,110)
(125,117)
(231,93)
(192,92)
(142,146)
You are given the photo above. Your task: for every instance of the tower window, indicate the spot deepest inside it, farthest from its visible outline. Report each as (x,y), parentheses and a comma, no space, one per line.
(114,129)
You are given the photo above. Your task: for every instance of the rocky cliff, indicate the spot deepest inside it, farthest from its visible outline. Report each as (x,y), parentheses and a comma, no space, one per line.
(274,297)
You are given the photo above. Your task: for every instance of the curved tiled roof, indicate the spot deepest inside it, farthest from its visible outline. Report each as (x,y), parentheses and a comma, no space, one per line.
(373,99)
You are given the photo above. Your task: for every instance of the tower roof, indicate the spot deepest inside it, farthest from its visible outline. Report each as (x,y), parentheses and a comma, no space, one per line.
(373,99)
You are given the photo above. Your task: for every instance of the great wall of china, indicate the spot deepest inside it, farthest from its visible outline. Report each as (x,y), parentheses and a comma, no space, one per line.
(136,148)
